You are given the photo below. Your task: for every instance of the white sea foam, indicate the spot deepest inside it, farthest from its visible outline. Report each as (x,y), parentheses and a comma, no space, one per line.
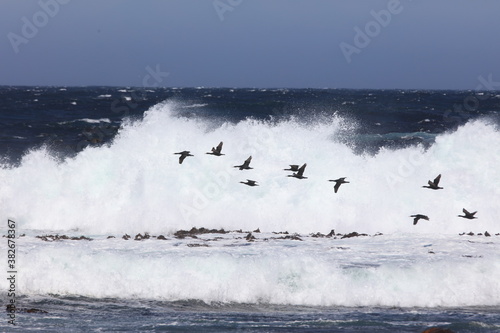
(87,120)
(406,271)
(136,183)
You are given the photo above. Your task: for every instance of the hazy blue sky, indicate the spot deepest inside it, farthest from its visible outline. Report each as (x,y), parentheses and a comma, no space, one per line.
(445,44)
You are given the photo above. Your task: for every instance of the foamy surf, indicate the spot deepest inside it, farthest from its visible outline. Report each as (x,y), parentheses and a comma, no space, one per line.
(136,184)
(383,270)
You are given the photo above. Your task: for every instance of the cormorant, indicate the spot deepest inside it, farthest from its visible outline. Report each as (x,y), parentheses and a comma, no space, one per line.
(300,172)
(434,185)
(418,217)
(183,154)
(250,183)
(216,151)
(338,182)
(245,165)
(293,167)
(468,215)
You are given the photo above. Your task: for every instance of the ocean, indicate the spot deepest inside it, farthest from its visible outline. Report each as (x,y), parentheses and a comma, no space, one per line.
(104,229)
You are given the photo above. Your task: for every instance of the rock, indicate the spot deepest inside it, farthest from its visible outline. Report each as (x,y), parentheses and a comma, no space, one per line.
(487,234)
(126,237)
(257,230)
(110,237)
(141,237)
(250,237)
(195,231)
(81,238)
(353,234)
(52,238)
(331,234)
(161,237)
(292,237)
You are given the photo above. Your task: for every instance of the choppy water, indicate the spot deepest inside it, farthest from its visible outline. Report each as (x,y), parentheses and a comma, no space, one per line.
(99,162)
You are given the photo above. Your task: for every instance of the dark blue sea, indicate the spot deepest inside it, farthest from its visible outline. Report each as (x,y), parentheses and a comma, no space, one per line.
(185,247)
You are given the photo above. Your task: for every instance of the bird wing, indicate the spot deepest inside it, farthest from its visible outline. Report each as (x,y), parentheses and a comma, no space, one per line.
(247,161)
(336,187)
(294,167)
(219,148)
(465,211)
(300,172)
(437,179)
(415,220)
(181,158)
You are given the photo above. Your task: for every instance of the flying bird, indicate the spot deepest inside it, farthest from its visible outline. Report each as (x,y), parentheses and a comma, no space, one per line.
(338,182)
(434,185)
(250,182)
(183,154)
(216,151)
(245,165)
(293,167)
(418,217)
(300,172)
(468,215)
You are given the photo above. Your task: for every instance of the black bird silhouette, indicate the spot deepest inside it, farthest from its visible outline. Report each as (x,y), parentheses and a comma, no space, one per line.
(183,154)
(418,217)
(468,215)
(338,182)
(300,172)
(434,185)
(293,167)
(250,182)
(216,151)
(245,165)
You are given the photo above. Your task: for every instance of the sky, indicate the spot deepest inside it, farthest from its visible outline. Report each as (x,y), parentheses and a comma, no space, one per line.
(373,44)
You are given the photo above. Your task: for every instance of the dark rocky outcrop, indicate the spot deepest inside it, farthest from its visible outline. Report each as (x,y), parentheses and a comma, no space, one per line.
(331,234)
(197,231)
(139,236)
(52,238)
(353,234)
(250,237)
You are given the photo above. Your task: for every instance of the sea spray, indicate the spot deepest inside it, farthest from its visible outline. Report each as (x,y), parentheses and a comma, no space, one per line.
(135,183)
